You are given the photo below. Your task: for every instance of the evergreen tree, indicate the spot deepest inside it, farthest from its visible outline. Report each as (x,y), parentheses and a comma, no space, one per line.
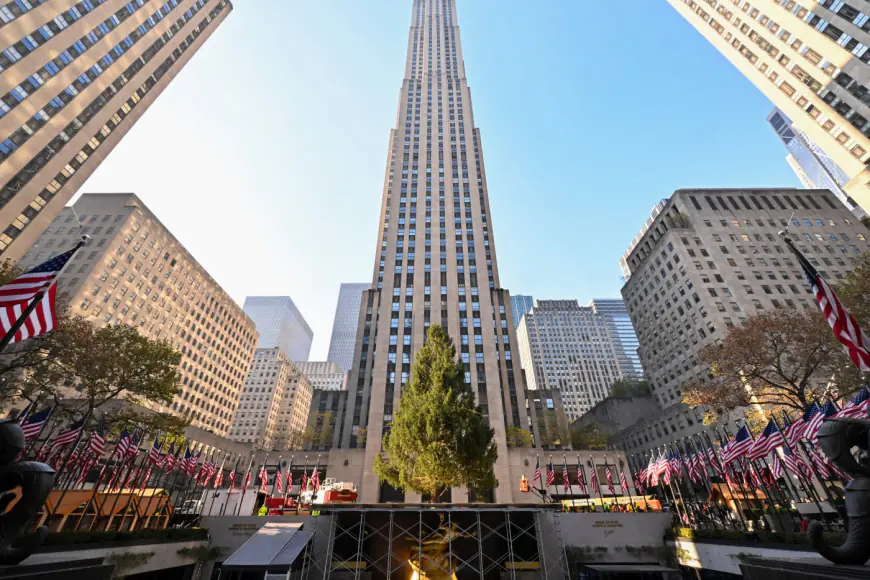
(438,438)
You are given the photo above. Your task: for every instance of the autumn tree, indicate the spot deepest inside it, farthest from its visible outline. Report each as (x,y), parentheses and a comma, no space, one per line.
(854,290)
(781,359)
(86,366)
(629,388)
(587,436)
(438,438)
(518,437)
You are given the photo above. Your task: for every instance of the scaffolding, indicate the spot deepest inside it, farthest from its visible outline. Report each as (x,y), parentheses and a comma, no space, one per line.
(439,542)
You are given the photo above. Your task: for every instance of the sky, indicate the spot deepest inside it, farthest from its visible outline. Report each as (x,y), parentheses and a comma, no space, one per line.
(266,155)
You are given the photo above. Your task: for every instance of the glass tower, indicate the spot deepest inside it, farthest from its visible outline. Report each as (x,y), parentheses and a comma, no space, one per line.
(520,305)
(435,261)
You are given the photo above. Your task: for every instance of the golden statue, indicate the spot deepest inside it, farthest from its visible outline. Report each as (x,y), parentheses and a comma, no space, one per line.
(434,556)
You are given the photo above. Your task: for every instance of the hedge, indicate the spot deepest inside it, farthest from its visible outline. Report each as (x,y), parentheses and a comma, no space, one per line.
(71,538)
(793,538)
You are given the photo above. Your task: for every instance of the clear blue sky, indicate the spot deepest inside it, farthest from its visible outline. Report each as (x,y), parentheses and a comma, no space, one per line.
(266,155)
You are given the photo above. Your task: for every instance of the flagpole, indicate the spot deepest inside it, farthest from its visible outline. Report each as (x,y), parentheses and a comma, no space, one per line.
(161,463)
(635,479)
(690,444)
(244,485)
(621,467)
(807,486)
(724,475)
(102,472)
(274,483)
(151,463)
(693,505)
(752,465)
(690,518)
(122,481)
(19,322)
(731,465)
(218,479)
(31,446)
(288,483)
(232,485)
(597,480)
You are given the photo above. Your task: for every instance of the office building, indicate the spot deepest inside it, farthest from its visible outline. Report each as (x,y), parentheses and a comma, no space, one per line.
(325,418)
(257,419)
(520,305)
(811,165)
(134,271)
(621,335)
(280,325)
(324,375)
(712,258)
(435,260)
(74,78)
(569,348)
(344,325)
(811,59)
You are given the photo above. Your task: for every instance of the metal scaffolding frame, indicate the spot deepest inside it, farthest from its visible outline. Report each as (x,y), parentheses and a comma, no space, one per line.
(474,541)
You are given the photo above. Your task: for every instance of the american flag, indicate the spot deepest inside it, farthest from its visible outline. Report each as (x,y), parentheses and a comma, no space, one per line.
(857,407)
(303,484)
(769,440)
(714,461)
(674,463)
(843,324)
(776,468)
(739,446)
(315,478)
(33,424)
(566,483)
(279,480)
(166,458)
(290,476)
(263,475)
(186,465)
(638,481)
(594,479)
(146,478)
(123,445)
(815,423)
(792,430)
(208,469)
(68,435)
(219,480)
(170,461)
(820,464)
(154,452)
(23,414)
(795,463)
(694,469)
(17,295)
(86,469)
(623,482)
(609,477)
(652,471)
(537,476)
(133,449)
(581,479)
(97,441)
(551,474)
(247,481)
(232,479)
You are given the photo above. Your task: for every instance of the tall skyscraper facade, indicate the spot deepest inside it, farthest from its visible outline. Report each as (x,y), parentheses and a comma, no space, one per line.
(814,168)
(324,375)
(74,78)
(811,59)
(280,325)
(711,259)
(435,207)
(622,335)
(569,348)
(134,271)
(520,304)
(344,326)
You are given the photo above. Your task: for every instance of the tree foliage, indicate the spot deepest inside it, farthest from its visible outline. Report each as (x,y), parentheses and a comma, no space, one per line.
(438,438)
(518,437)
(629,387)
(781,359)
(854,290)
(87,366)
(587,436)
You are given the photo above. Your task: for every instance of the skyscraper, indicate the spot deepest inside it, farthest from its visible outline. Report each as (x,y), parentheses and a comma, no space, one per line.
(811,59)
(811,165)
(622,335)
(711,259)
(520,305)
(345,323)
(569,348)
(435,207)
(134,271)
(74,78)
(280,325)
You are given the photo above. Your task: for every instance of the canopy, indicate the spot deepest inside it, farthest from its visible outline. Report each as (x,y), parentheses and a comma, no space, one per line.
(275,545)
